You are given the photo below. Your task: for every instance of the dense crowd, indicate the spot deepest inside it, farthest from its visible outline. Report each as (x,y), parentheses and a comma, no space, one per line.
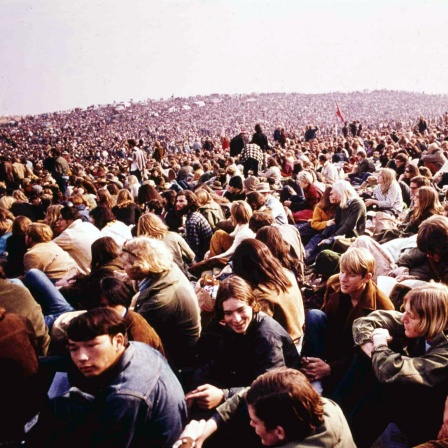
(271,269)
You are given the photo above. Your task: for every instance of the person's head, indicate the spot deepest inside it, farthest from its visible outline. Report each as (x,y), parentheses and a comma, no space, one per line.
(108,291)
(417,182)
(283,407)
(386,176)
(20,224)
(6,202)
(132,143)
(432,238)
(411,171)
(236,304)
(147,193)
(235,184)
(260,219)
(144,257)
(6,220)
(341,193)
(19,196)
(357,267)
(240,212)
(101,216)
(400,159)
(67,216)
(152,226)
(258,128)
(425,311)
(38,233)
(96,340)
(124,198)
(52,214)
(105,199)
(253,261)
(305,179)
(186,202)
(112,189)
(104,250)
(256,200)
(426,199)
(360,154)
(203,197)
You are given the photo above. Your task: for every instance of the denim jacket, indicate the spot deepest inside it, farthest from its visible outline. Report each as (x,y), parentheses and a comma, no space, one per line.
(138,403)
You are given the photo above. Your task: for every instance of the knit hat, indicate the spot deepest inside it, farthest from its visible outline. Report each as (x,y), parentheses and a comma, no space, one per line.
(236,182)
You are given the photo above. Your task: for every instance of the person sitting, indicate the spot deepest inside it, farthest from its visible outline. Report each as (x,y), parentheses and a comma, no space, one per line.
(386,196)
(45,255)
(16,247)
(104,219)
(408,364)
(152,226)
(121,393)
(126,210)
(274,287)
(235,190)
(210,209)
(284,411)
(166,298)
(251,343)
(349,295)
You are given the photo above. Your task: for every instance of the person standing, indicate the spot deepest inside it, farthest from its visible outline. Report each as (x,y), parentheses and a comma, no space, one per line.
(137,160)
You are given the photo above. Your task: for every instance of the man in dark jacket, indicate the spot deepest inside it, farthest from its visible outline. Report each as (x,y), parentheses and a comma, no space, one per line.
(238,143)
(260,139)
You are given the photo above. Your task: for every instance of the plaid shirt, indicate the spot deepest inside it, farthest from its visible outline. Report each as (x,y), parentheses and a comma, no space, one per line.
(198,234)
(252,151)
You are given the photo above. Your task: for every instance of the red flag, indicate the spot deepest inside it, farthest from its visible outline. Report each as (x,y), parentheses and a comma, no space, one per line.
(338,113)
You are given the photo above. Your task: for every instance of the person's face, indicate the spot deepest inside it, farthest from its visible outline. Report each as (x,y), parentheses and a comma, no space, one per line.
(352,283)
(380,178)
(237,315)
(335,198)
(416,199)
(303,184)
(61,224)
(410,321)
(398,163)
(268,437)
(407,172)
(94,357)
(414,188)
(181,202)
(231,189)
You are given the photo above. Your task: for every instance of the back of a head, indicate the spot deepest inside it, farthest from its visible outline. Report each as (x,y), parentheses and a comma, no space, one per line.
(39,233)
(284,397)
(70,213)
(432,237)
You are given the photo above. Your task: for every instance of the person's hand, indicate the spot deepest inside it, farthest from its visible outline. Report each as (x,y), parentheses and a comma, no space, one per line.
(315,368)
(207,255)
(443,433)
(381,336)
(66,281)
(327,241)
(370,202)
(199,431)
(206,396)
(287,203)
(331,222)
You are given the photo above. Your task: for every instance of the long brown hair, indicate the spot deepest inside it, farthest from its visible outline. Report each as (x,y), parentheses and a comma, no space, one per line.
(325,204)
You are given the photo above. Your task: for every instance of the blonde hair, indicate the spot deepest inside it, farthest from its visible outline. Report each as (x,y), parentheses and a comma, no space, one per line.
(358,261)
(6,202)
(305,177)
(345,191)
(6,220)
(19,196)
(241,212)
(124,198)
(388,178)
(203,197)
(39,233)
(147,255)
(152,226)
(430,303)
(52,214)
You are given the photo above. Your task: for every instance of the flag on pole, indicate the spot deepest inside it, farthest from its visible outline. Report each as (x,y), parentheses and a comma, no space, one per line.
(338,113)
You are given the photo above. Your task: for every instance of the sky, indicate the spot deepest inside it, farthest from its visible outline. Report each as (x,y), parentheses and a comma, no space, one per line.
(57,55)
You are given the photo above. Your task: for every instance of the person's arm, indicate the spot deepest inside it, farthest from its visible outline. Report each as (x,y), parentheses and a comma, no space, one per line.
(31,261)
(187,254)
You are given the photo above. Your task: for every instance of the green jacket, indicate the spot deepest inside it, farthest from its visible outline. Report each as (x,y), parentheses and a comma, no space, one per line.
(415,366)
(333,431)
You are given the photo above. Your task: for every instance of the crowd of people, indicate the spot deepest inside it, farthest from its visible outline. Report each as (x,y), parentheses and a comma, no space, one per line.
(171,277)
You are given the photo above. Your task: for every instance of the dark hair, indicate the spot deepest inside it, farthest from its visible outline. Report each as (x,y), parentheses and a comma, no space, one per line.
(20,224)
(421,181)
(104,250)
(70,213)
(108,291)
(102,215)
(191,198)
(234,287)
(253,261)
(284,397)
(258,128)
(148,193)
(94,323)
(432,237)
(112,189)
(260,219)
(325,204)
(279,248)
(256,200)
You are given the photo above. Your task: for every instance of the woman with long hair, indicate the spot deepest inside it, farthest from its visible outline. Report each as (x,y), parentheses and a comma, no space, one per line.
(152,226)
(51,217)
(149,199)
(126,210)
(210,209)
(387,196)
(410,171)
(105,199)
(252,343)
(323,215)
(275,287)
(281,250)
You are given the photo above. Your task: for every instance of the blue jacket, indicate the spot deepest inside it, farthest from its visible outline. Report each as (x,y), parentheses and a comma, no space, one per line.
(137,403)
